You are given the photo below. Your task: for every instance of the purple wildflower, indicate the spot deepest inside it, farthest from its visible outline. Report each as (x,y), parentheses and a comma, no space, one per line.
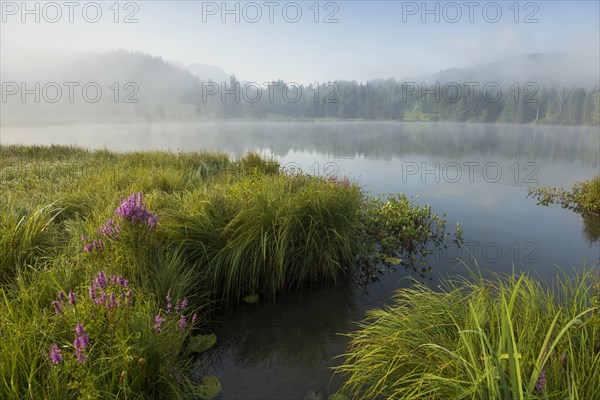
(72,299)
(79,329)
(158,320)
(87,248)
(184,304)
(84,238)
(81,342)
(100,282)
(563,358)
(134,209)
(110,229)
(62,296)
(541,383)
(169,305)
(182,322)
(92,292)
(112,301)
(58,306)
(194,318)
(55,356)
(101,299)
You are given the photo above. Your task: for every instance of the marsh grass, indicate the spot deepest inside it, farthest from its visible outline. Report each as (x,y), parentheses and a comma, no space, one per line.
(269,234)
(225,229)
(510,337)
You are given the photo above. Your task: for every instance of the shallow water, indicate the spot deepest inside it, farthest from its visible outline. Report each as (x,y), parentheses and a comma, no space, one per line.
(475,174)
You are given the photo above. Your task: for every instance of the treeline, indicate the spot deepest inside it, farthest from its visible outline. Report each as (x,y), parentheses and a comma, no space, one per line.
(402,101)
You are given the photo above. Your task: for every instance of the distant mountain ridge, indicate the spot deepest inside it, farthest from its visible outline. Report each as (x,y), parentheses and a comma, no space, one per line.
(551,69)
(208,72)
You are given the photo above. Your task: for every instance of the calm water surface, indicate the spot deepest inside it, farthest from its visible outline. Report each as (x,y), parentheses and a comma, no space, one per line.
(475,174)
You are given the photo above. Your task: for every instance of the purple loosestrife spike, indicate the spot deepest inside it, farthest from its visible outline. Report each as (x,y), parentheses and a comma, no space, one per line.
(194,318)
(87,248)
(563,358)
(113,279)
(72,299)
(101,281)
(84,238)
(92,292)
(101,299)
(541,383)
(184,304)
(58,306)
(79,329)
(62,296)
(158,320)
(182,322)
(81,357)
(55,356)
(112,302)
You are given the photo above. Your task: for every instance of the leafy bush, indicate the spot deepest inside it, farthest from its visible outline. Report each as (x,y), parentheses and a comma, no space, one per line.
(583,198)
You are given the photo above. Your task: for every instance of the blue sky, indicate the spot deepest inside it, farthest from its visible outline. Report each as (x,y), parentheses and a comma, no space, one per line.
(371,39)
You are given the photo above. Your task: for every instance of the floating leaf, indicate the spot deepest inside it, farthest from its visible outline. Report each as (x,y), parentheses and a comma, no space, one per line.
(201,343)
(251,299)
(211,387)
(393,261)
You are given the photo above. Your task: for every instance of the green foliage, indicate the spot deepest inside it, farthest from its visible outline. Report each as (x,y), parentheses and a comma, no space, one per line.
(584,197)
(397,232)
(508,337)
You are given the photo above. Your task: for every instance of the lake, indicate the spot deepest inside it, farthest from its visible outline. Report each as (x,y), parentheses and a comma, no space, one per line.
(476,174)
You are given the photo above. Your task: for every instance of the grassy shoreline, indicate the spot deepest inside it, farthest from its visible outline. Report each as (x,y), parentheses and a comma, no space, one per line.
(509,337)
(111,262)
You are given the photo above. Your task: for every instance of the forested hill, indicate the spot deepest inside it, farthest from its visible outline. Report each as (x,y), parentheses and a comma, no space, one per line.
(139,86)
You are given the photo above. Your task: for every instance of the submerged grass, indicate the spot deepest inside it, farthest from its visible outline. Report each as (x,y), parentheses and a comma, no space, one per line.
(510,337)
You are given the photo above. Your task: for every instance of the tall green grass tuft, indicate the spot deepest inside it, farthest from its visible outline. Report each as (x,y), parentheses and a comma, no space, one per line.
(269,234)
(511,337)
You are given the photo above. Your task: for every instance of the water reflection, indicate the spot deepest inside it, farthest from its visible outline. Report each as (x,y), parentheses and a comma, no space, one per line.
(373,140)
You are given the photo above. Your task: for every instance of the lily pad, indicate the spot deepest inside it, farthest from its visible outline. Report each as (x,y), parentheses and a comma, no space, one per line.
(393,261)
(201,343)
(251,299)
(211,387)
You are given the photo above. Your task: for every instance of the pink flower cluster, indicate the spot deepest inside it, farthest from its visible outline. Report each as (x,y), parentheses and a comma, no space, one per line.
(343,183)
(178,309)
(135,210)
